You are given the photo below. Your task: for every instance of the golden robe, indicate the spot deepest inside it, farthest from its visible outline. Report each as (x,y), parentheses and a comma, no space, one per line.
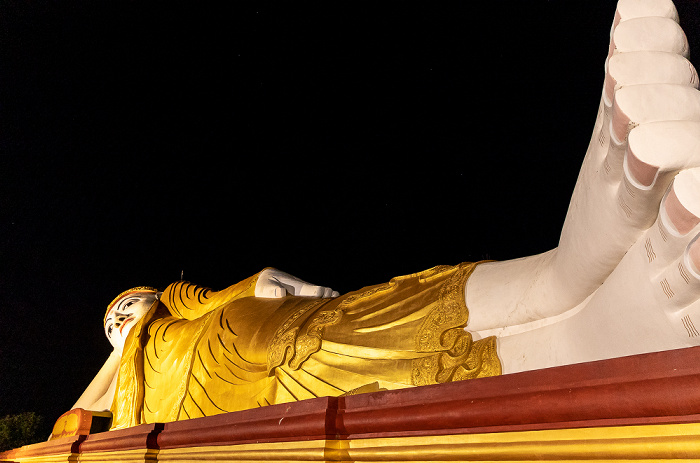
(200,353)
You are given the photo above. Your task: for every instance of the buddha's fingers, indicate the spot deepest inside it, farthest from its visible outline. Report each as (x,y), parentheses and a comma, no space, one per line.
(315,291)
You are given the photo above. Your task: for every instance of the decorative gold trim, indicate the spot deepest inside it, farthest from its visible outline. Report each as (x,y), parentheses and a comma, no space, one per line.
(624,443)
(284,338)
(56,458)
(451,312)
(302,451)
(457,356)
(310,342)
(120,456)
(372,291)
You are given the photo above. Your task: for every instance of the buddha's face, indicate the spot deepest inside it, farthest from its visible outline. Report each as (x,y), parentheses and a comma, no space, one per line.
(124,315)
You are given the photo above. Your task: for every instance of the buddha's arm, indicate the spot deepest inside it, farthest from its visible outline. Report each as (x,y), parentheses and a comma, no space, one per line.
(98,395)
(189,301)
(185,300)
(273,283)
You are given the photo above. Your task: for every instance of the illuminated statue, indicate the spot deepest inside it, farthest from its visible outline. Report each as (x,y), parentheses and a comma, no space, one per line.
(625,279)
(273,338)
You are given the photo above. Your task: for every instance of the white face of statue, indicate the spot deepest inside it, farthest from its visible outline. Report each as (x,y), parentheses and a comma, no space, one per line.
(124,315)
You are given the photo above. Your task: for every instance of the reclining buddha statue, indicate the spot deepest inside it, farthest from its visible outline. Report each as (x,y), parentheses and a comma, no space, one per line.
(624,279)
(189,351)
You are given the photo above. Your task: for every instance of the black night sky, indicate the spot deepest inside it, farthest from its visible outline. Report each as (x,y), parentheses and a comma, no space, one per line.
(342,142)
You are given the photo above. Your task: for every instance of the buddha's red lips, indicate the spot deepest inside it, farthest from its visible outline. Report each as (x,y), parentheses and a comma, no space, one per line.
(124,324)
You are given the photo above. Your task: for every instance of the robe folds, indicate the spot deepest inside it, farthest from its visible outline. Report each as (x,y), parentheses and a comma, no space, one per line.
(200,352)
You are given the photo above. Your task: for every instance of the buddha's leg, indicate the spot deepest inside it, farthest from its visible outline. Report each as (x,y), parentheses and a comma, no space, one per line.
(650,302)
(642,84)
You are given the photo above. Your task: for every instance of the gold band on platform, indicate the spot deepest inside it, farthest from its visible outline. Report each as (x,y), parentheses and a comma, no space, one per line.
(623,443)
(658,442)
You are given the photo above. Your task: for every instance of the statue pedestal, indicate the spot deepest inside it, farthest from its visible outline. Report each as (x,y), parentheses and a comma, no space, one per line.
(644,407)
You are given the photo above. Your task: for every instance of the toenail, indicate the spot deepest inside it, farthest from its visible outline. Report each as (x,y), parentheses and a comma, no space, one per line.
(611,49)
(617,19)
(693,81)
(609,88)
(641,172)
(694,256)
(681,218)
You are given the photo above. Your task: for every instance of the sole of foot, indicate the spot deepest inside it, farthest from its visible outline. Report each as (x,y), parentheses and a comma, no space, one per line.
(650,302)
(647,80)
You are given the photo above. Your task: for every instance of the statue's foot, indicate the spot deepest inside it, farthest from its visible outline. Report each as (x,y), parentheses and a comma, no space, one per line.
(650,302)
(670,258)
(648,80)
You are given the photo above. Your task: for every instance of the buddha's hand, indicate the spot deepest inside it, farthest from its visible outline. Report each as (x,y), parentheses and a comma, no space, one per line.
(273,283)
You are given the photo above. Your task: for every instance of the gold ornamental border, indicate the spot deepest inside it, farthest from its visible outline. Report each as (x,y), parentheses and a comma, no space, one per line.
(621,443)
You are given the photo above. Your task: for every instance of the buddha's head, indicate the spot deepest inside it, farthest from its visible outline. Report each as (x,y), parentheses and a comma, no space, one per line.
(125,311)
